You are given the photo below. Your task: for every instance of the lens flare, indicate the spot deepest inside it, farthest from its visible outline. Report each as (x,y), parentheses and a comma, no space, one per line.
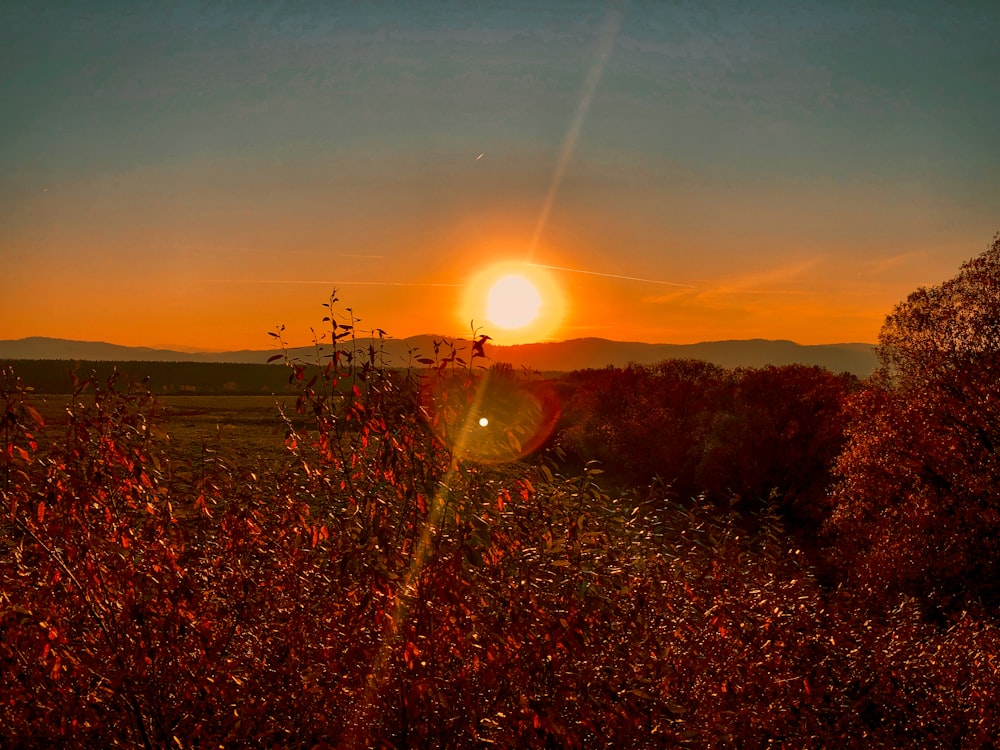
(492,417)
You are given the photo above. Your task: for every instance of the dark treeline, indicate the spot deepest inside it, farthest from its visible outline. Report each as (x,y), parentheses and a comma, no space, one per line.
(163,378)
(743,435)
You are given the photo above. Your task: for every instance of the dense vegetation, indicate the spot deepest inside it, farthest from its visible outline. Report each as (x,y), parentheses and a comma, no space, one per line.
(682,555)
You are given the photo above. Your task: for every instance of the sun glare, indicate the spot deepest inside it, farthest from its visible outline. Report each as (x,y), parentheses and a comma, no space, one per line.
(514,303)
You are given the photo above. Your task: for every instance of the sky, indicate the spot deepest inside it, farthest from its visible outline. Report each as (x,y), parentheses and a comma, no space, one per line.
(194,174)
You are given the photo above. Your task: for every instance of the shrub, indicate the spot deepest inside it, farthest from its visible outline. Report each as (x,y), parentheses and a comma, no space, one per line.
(386,587)
(777,431)
(642,422)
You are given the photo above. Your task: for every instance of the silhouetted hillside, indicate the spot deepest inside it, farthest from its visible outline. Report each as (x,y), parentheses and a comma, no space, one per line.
(563,356)
(40,347)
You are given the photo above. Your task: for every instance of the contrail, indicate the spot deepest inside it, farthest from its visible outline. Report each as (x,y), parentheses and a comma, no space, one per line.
(328,283)
(610,275)
(609,33)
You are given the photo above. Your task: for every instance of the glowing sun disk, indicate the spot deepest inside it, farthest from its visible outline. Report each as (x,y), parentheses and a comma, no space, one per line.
(513,302)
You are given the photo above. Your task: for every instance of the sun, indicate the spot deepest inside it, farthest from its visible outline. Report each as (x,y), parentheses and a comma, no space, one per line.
(514,303)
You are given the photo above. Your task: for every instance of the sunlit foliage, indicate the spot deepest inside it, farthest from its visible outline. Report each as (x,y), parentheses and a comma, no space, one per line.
(917,508)
(384,586)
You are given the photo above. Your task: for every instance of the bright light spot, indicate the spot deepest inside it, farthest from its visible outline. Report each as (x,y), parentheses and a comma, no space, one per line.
(483,421)
(513,302)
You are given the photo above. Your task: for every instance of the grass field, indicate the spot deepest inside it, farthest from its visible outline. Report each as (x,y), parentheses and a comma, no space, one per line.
(244,429)
(248,427)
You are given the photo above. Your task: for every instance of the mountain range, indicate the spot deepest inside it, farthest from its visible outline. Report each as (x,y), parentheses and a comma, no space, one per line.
(562,356)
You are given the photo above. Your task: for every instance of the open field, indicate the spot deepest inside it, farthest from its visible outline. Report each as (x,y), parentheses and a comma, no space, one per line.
(248,428)
(243,428)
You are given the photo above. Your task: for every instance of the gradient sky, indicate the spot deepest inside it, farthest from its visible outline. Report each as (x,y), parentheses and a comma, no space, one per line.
(193,174)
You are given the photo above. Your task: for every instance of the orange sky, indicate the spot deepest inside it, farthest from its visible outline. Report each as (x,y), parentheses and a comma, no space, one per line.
(194,190)
(151,259)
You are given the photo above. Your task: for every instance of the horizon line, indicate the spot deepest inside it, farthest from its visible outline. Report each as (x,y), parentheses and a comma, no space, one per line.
(462,337)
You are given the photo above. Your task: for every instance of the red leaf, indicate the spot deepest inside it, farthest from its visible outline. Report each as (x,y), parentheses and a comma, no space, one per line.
(33,413)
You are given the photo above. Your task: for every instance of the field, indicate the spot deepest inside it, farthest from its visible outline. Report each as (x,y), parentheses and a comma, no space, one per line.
(244,430)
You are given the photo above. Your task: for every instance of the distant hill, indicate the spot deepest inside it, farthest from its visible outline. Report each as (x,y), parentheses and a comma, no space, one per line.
(563,356)
(40,347)
(580,354)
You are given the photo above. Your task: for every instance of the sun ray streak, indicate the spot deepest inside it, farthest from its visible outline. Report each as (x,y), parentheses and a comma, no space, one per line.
(610,27)
(338,283)
(366,712)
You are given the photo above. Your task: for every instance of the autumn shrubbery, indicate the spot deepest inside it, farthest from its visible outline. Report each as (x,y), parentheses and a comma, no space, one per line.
(751,433)
(397,582)
(917,506)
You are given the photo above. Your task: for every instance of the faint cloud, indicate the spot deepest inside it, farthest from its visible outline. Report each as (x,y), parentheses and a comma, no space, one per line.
(671,297)
(776,280)
(328,282)
(882,265)
(784,280)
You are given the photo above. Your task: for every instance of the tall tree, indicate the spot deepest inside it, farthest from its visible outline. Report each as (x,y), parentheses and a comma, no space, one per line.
(918,504)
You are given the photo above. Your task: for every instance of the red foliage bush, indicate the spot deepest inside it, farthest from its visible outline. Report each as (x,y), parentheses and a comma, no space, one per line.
(750,433)
(777,430)
(642,422)
(380,590)
(917,508)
